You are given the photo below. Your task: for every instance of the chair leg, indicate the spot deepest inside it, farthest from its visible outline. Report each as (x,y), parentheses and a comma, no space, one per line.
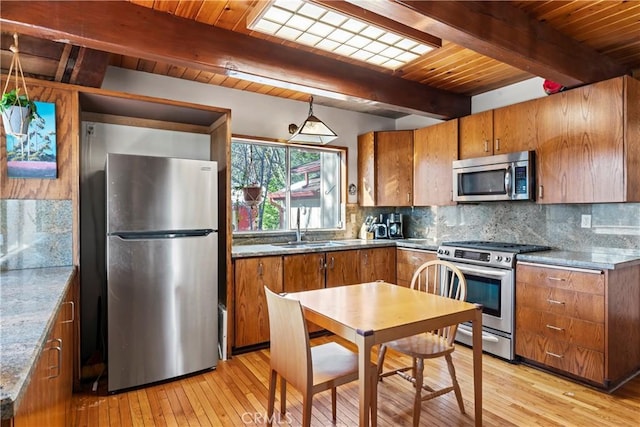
(272,396)
(417,403)
(381,353)
(454,380)
(307,400)
(414,369)
(283,396)
(333,404)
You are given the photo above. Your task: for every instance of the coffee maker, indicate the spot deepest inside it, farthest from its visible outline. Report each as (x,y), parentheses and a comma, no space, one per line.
(394,225)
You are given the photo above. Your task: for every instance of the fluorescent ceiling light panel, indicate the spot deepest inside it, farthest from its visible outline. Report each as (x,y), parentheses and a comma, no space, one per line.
(314,25)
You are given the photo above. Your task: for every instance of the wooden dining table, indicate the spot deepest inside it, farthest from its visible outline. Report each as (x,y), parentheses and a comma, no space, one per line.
(373,313)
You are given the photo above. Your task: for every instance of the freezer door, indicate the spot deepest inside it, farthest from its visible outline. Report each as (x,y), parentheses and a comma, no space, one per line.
(162,308)
(159,193)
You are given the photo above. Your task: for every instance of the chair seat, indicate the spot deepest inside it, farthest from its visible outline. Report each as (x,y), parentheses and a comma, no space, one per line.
(333,363)
(422,346)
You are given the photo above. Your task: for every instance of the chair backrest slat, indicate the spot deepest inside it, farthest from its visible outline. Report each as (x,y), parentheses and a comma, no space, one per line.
(441,278)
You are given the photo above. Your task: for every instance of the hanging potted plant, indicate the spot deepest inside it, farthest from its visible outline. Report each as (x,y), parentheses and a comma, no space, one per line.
(252,191)
(17,112)
(16,108)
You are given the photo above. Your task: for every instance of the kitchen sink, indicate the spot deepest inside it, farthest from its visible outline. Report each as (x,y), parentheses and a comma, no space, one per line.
(309,244)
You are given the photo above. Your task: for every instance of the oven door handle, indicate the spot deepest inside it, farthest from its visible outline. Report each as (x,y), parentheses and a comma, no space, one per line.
(495,273)
(485,336)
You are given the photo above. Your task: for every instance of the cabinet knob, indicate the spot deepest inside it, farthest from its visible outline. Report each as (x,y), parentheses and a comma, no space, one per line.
(260,269)
(556,302)
(497,146)
(332,263)
(58,368)
(486,145)
(540,191)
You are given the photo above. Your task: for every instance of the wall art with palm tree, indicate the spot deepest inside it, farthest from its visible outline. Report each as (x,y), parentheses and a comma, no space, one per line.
(34,155)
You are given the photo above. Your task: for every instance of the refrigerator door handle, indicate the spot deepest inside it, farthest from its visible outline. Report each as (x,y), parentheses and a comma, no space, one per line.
(168,234)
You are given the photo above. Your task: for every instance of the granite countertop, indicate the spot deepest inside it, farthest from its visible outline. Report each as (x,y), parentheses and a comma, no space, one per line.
(29,302)
(609,260)
(246,251)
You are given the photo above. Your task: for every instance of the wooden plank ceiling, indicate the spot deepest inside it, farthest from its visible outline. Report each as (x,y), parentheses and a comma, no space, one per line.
(485,45)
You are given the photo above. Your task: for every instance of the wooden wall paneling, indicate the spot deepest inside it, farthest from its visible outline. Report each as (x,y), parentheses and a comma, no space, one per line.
(61,188)
(623,318)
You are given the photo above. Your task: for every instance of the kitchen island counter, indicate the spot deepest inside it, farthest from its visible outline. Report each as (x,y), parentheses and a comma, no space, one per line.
(29,302)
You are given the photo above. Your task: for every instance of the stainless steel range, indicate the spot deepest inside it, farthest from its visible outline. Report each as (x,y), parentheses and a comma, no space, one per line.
(489,268)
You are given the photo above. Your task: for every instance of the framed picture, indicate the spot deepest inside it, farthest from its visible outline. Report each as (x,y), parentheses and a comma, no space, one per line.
(34,155)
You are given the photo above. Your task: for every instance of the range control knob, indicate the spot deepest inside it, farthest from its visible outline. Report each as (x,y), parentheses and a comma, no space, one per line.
(440,251)
(507,259)
(498,258)
(446,252)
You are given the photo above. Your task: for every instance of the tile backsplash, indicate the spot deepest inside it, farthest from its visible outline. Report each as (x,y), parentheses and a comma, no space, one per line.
(614,226)
(35,233)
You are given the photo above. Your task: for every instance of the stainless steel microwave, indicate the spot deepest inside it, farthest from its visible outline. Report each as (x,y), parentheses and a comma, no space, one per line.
(502,177)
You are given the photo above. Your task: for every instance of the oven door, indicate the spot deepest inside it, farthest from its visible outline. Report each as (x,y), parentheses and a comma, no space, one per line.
(494,289)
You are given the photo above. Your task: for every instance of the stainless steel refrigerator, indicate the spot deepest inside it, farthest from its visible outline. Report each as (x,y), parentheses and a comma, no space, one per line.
(162,268)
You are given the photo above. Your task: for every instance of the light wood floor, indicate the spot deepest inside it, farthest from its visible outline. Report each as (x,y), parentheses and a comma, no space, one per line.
(235,394)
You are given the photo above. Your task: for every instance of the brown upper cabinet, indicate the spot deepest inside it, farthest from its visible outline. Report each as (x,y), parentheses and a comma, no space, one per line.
(385,168)
(434,149)
(500,131)
(589,144)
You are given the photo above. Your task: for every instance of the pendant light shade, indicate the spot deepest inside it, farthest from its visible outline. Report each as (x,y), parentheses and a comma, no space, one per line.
(313,130)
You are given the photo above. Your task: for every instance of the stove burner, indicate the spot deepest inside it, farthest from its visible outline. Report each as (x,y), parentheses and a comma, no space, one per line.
(515,248)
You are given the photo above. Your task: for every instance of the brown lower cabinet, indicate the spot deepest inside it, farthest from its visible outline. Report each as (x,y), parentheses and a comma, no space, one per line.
(408,261)
(295,273)
(578,321)
(47,399)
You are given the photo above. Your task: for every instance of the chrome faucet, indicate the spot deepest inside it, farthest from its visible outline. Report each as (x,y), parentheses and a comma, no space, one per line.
(298,234)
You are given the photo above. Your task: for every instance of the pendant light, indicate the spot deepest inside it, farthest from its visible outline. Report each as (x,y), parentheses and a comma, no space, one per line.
(312,131)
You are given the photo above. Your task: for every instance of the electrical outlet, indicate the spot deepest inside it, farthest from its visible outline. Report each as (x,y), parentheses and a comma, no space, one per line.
(353,218)
(586,221)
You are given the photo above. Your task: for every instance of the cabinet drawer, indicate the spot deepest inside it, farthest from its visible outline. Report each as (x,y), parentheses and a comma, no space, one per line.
(574,331)
(574,359)
(580,305)
(560,278)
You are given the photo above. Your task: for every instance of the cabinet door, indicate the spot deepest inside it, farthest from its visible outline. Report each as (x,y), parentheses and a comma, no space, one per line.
(515,128)
(394,168)
(366,170)
(378,264)
(476,135)
(251,318)
(304,272)
(343,268)
(434,149)
(47,400)
(408,261)
(580,152)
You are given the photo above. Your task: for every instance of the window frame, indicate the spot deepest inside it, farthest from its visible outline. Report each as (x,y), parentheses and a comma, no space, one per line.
(340,150)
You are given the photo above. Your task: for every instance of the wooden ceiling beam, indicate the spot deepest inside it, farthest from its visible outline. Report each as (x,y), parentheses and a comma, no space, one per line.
(504,32)
(90,67)
(128,29)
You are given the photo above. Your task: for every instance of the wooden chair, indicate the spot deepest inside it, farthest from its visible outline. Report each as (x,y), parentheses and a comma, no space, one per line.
(309,369)
(441,278)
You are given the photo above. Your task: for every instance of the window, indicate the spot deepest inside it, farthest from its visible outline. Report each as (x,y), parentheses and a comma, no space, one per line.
(274,183)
